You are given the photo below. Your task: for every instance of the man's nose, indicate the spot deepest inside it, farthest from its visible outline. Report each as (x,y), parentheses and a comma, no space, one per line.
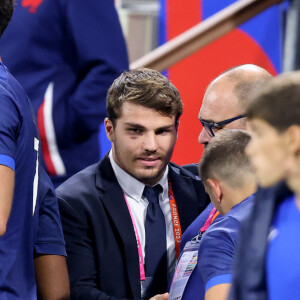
(204,137)
(150,142)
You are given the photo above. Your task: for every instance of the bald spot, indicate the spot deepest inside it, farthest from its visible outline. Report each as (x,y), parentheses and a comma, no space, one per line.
(228,95)
(244,80)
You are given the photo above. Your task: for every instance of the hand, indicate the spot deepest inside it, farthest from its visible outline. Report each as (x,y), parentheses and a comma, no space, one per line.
(164,296)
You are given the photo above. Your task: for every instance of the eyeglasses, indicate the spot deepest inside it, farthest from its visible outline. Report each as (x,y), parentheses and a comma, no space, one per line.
(211,128)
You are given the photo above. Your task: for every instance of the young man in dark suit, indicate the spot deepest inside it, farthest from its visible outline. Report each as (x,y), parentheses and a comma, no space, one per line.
(123,217)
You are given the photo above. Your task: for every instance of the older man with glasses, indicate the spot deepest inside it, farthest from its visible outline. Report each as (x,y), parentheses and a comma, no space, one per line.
(211,128)
(223,107)
(225,99)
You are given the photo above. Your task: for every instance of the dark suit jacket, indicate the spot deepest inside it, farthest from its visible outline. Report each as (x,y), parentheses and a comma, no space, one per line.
(193,168)
(249,281)
(101,244)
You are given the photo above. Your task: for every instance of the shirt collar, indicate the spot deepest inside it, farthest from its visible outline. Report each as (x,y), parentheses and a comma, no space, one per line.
(133,187)
(240,204)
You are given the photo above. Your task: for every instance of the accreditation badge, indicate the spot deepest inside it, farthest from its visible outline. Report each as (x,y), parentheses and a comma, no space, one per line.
(185,266)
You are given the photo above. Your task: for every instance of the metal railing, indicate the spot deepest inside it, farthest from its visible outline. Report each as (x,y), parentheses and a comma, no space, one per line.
(202,34)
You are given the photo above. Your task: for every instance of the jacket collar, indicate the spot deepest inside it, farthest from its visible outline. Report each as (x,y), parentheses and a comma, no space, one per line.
(185,192)
(113,199)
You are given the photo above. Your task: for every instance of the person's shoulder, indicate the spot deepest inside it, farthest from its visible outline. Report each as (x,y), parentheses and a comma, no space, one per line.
(4,87)
(242,211)
(12,89)
(229,226)
(275,194)
(193,229)
(7,81)
(264,204)
(185,171)
(80,183)
(181,176)
(200,220)
(3,72)
(193,168)
(217,248)
(223,224)
(225,228)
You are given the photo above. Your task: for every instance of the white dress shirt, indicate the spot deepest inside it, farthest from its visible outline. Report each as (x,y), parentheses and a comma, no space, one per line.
(133,190)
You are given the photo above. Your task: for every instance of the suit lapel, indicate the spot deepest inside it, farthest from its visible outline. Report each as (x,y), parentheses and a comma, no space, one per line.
(185,197)
(112,198)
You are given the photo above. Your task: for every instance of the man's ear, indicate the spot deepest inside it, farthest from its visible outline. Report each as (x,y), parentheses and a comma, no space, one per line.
(247,127)
(109,129)
(177,126)
(216,189)
(293,139)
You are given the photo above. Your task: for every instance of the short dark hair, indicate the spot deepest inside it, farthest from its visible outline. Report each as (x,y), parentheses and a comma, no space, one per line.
(6,12)
(225,158)
(145,87)
(278,102)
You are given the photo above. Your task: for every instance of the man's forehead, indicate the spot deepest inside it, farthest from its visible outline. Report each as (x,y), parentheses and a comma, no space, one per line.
(144,117)
(219,103)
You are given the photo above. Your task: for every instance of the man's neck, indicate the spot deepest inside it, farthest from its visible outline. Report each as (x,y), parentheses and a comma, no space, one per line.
(293,183)
(236,196)
(132,185)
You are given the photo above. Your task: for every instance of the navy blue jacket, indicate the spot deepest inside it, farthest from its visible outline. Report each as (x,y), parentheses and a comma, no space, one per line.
(249,282)
(102,252)
(66,54)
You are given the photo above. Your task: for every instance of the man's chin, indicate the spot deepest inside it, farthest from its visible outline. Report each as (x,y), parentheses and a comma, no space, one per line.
(151,178)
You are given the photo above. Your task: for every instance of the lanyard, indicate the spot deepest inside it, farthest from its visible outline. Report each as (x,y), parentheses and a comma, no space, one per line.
(139,246)
(175,220)
(211,217)
(188,260)
(176,230)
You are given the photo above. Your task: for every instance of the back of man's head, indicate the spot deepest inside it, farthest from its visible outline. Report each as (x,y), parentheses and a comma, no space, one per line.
(145,87)
(225,159)
(6,11)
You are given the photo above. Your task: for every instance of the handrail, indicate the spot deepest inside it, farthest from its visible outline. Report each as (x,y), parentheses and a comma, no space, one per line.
(202,34)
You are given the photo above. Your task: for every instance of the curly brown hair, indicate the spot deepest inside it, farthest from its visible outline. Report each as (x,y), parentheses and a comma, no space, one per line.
(145,87)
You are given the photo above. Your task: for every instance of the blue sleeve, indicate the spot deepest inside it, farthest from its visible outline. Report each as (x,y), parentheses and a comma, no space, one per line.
(96,32)
(49,236)
(10,123)
(217,251)
(220,279)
